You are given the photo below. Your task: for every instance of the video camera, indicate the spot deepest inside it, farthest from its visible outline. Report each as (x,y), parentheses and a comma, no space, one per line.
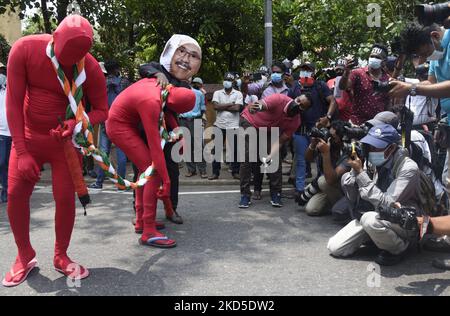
(436,13)
(405,217)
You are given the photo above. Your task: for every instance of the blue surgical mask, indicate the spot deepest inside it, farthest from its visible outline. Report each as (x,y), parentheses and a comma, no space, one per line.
(437,55)
(227,85)
(377,159)
(239,83)
(277,78)
(375,63)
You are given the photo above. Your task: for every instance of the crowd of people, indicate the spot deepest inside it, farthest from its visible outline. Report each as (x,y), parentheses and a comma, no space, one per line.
(362,142)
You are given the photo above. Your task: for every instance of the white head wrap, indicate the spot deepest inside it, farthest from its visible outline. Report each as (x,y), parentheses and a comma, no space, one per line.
(172,45)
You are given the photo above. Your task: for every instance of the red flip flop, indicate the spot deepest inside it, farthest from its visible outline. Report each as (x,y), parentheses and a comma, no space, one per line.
(11,274)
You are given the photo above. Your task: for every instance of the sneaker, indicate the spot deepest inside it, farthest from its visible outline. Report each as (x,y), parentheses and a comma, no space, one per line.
(441,264)
(257,196)
(245,202)
(437,245)
(276,200)
(213,178)
(387,259)
(95,186)
(203,175)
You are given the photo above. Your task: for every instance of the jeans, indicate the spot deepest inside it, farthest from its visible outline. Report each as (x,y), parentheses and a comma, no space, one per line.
(5,149)
(301,145)
(105,146)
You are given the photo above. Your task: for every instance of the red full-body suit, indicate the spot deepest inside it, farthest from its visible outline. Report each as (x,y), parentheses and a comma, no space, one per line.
(141,103)
(35,102)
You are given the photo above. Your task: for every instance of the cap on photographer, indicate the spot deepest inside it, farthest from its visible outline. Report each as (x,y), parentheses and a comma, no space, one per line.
(367,101)
(396,179)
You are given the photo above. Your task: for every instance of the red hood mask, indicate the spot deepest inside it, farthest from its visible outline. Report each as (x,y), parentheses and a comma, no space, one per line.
(181,100)
(73,39)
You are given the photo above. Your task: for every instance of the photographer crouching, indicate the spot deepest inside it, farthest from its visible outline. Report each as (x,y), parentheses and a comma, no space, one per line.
(395,181)
(325,191)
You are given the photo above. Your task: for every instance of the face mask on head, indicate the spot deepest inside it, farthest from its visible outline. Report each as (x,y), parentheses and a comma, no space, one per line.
(306,74)
(227,85)
(2,81)
(277,78)
(375,63)
(437,55)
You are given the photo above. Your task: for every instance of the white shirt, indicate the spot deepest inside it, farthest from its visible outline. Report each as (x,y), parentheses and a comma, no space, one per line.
(424,108)
(226,119)
(4,128)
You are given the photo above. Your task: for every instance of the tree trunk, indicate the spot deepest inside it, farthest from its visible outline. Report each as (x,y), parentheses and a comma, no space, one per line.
(46,17)
(62,9)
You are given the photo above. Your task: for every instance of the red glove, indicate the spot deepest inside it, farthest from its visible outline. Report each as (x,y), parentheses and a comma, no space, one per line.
(62,133)
(164,192)
(29,168)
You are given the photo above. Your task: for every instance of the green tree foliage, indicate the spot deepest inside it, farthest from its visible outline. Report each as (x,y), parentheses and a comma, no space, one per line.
(230,32)
(4,50)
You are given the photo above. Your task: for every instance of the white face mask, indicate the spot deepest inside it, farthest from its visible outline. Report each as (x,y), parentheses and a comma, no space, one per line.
(437,55)
(306,74)
(227,85)
(375,63)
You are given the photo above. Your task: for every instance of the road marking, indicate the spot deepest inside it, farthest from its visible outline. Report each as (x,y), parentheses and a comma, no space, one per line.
(41,189)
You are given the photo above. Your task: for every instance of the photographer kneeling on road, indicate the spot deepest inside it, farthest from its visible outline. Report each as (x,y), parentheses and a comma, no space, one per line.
(396,180)
(320,196)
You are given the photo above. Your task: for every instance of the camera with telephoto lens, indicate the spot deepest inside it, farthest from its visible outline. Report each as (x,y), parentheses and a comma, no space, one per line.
(384,86)
(357,133)
(406,218)
(322,133)
(310,191)
(433,13)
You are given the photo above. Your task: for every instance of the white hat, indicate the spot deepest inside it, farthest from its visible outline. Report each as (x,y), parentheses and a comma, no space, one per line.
(172,45)
(2,65)
(197,80)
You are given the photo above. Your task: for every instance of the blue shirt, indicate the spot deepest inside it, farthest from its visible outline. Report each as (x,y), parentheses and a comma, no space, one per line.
(441,69)
(199,108)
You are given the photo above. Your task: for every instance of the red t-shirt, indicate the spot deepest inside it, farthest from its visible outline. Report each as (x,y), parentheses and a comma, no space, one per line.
(275,115)
(367,103)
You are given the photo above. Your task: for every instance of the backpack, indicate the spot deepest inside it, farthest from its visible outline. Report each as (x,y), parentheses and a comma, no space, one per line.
(426,192)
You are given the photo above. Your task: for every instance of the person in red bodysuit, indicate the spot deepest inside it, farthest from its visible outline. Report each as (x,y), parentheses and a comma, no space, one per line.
(35,103)
(141,103)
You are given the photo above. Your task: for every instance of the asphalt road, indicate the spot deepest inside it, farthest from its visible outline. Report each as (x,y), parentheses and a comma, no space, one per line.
(222,250)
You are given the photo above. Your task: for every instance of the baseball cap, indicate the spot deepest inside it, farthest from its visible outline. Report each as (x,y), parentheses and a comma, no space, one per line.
(2,65)
(385,118)
(381,136)
(197,80)
(229,76)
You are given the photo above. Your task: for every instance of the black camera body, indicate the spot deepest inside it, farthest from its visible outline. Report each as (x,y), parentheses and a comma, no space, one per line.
(384,86)
(405,217)
(322,133)
(436,13)
(352,149)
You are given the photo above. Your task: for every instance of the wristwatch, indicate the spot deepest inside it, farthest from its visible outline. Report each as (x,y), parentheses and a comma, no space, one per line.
(413,91)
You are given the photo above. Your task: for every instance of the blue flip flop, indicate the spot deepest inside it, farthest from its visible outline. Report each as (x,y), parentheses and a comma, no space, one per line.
(152,242)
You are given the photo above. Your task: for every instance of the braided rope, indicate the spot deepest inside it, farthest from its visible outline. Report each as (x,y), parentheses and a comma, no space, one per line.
(83,138)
